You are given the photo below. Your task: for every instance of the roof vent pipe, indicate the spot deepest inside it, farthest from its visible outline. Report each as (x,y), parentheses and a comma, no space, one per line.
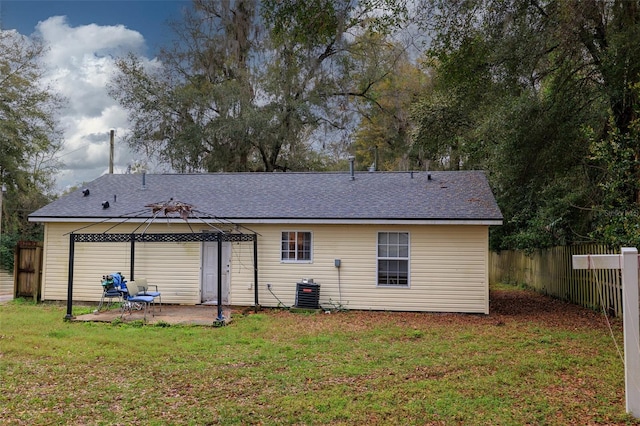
(351,167)
(144,180)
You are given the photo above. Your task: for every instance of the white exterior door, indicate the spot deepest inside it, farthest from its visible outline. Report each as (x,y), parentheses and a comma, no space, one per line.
(209,280)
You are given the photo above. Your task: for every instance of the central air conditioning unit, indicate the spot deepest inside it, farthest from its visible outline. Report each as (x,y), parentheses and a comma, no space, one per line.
(307,295)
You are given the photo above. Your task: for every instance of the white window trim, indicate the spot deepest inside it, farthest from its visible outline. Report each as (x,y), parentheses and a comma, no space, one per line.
(408,259)
(297,231)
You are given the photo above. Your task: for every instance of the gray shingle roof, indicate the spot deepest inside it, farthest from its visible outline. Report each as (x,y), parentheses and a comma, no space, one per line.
(463,195)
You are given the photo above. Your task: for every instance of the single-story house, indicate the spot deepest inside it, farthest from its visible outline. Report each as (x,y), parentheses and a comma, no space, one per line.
(400,241)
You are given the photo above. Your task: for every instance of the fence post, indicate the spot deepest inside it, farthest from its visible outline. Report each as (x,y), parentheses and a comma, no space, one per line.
(627,262)
(630,325)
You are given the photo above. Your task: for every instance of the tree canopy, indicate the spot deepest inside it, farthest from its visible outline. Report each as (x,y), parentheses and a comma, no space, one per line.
(542,94)
(29,138)
(247,84)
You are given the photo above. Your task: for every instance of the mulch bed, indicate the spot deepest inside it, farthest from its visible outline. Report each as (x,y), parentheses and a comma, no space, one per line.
(511,307)
(505,306)
(527,305)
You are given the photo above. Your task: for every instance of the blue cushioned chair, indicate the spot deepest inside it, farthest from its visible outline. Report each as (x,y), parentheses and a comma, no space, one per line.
(143,290)
(133,301)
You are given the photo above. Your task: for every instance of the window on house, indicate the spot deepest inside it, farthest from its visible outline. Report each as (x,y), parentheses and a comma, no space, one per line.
(296,246)
(393,258)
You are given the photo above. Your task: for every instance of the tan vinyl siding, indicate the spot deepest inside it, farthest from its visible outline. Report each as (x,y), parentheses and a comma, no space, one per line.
(174,267)
(448,269)
(6,282)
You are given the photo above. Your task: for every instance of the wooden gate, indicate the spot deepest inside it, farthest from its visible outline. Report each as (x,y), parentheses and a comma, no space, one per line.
(27,269)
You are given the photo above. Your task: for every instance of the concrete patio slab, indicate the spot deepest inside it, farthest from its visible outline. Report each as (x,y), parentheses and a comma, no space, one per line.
(170,314)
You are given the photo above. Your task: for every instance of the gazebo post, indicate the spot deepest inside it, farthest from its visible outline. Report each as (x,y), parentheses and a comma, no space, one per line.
(72,240)
(255,272)
(132,257)
(220,317)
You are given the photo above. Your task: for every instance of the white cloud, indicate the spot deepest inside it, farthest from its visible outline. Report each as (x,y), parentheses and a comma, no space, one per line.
(79,64)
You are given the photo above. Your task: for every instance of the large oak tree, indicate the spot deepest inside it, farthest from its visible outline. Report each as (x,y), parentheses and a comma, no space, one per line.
(247,84)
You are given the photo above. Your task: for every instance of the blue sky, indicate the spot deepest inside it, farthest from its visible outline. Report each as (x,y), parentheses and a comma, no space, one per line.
(77,35)
(148,17)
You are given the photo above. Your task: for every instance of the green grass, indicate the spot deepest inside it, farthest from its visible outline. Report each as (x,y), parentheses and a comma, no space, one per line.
(276,367)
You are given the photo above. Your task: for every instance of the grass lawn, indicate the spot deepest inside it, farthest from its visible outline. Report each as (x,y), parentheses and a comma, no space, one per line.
(533,360)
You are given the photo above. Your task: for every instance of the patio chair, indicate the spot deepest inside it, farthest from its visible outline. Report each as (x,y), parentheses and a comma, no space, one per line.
(109,292)
(143,290)
(132,301)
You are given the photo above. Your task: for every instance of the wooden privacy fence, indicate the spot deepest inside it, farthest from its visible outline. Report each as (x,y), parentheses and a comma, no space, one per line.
(27,269)
(550,272)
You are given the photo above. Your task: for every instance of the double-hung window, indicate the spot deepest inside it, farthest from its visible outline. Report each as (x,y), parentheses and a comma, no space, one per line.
(295,246)
(393,258)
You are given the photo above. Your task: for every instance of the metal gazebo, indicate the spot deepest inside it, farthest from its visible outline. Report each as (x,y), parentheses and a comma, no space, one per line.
(142,237)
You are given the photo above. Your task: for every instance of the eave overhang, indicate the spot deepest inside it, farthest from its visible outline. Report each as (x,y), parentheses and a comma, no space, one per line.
(276,221)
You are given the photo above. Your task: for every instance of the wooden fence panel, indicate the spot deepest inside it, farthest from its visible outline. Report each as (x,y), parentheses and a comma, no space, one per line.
(28,269)
(550,272)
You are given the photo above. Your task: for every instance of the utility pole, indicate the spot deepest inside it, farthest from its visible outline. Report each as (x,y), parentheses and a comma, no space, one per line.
(111,145)
(1,197)
(3,189)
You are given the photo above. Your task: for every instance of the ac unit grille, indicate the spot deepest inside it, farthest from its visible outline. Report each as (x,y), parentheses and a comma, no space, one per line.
(307,295)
